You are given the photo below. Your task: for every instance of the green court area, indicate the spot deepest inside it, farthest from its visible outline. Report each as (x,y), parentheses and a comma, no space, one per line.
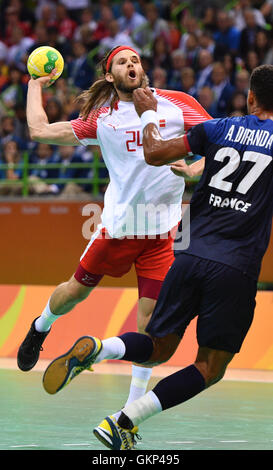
(232,415)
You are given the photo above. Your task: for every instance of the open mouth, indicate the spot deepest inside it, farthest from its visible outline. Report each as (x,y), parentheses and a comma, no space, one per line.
(132,74)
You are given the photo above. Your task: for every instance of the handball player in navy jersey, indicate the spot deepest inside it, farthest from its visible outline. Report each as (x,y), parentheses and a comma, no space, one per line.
(215,278)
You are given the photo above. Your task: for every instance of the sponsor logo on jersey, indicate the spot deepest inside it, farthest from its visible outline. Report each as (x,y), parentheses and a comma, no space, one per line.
(88,279)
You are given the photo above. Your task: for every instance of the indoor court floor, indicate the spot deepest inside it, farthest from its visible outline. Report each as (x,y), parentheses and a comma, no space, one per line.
(232,415)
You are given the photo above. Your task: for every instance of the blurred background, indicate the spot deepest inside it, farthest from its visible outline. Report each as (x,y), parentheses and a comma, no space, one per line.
(206,49)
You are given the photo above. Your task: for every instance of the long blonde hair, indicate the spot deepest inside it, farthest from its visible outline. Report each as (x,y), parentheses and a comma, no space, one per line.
(101,92)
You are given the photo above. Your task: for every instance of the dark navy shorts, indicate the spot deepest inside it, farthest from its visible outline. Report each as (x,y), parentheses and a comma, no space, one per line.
(222,297)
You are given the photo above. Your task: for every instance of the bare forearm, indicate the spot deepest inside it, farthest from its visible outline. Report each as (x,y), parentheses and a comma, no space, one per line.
(197,168)
(36,115)
(57,133)
(159,152)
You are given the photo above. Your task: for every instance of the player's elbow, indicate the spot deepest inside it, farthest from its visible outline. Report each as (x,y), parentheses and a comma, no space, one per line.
(153,160)
(152,157)
(37,134)
(34,133)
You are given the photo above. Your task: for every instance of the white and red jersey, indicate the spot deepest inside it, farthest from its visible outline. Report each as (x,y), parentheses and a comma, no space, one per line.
(140,199)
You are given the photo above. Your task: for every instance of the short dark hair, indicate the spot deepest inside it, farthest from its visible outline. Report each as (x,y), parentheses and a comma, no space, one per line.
(261,84)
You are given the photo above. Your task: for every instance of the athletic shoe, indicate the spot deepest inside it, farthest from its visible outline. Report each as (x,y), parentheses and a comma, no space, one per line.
(113,436)
(64,368)
(29,351)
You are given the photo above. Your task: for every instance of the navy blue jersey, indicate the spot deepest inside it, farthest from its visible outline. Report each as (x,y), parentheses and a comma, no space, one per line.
(231,209)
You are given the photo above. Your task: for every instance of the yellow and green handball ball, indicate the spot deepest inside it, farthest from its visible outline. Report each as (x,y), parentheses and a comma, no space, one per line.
(43,60)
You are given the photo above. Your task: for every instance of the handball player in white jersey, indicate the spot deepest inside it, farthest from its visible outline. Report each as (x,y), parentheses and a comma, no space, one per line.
(142,205)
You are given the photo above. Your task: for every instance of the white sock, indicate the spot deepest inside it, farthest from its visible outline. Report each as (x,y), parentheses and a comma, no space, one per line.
(113,348)
(44,322)
(139,382)
(143,408)
(138,386)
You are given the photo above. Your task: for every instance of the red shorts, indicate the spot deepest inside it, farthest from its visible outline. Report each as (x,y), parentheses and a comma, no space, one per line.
(114,257)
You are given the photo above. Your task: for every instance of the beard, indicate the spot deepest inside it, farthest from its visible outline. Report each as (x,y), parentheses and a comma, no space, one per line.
(120,84)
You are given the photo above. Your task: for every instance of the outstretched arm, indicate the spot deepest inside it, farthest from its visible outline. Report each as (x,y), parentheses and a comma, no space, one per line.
(157,151)
(181,168)
(58,133)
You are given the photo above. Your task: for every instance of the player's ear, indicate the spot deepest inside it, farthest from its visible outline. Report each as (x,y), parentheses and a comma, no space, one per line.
(250,97)
(109,77)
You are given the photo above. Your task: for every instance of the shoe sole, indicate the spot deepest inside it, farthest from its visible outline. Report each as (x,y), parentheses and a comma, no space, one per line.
(64,368)
(102,439)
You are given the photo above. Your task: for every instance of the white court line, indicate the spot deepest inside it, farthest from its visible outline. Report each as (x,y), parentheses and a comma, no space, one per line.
(25,445)
(233,441)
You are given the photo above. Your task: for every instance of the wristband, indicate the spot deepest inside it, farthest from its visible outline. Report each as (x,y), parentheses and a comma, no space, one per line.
(148,117)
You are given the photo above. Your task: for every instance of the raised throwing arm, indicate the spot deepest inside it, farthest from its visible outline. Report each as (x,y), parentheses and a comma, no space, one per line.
(58,133)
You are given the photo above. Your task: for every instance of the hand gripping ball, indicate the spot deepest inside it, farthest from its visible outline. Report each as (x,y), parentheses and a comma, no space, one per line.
(43,60)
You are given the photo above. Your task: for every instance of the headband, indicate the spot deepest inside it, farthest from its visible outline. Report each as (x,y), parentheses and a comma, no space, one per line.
(118,49)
